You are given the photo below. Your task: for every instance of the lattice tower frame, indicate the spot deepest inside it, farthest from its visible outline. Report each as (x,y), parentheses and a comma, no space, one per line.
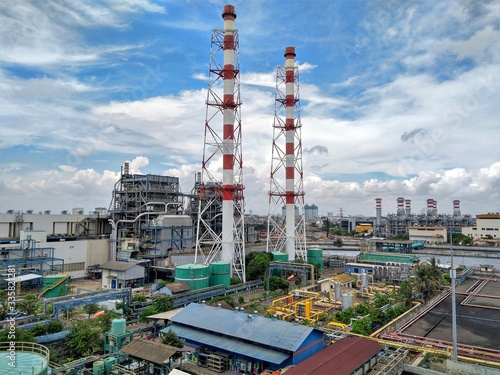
(288,233)
(220,225)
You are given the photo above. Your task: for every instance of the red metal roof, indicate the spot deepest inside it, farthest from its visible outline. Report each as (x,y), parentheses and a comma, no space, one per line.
(340,358)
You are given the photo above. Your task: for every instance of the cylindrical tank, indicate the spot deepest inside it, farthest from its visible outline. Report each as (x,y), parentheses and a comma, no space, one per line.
(347,301)
(108,363)
(30,358)
(315,256)
(364,280)
(338,292)
(98,368)
(194,275)
(118,326)
(219,273)
(280,257)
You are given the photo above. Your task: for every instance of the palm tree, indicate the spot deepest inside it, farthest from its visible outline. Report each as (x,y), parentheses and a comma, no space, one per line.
(427,279)
(405,293)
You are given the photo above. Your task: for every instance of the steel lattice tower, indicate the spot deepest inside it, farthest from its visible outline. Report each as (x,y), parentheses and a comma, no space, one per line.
(287,234)
(220,226)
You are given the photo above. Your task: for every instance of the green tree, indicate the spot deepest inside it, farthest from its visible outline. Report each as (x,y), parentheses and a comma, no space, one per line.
(405,293)
(380,300)
(257,264)
(427,279)
(338,242)
(54,326)
(163,303)
(362,327)
(139,298)
(150,310)
(276,282)
(91,309)
(29,304)
(345,316)
(172,339)
(84,337)
(18,335)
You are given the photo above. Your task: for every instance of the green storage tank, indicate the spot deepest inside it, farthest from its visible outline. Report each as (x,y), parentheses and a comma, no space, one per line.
(194,275)
(280,257)
(118,326)
(98,368)
(315,256)
(219,273)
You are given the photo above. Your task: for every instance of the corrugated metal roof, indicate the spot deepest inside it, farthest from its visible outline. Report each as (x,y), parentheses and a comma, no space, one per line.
(230,345)
(266,331)
(116,265)
(178,287)
(165,315)
(150,351)
(341,358)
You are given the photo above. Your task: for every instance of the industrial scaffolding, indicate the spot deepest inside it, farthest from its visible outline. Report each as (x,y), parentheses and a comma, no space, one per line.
(286,233)
(137,200)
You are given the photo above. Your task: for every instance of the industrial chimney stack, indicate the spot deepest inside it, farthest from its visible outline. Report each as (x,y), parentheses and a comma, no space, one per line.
(408,207)
(223,195)
(287,166)
(456,209)
(378,214)
(401,207)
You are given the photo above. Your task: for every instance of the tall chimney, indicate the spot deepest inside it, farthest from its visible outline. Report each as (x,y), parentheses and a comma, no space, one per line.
(401,205)
(408,207)
(378,213)
(456,208)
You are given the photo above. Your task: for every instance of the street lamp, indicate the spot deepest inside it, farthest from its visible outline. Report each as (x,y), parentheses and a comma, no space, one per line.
(453,302)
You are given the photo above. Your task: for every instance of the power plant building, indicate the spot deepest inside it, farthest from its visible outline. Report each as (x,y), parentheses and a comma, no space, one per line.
(244,342)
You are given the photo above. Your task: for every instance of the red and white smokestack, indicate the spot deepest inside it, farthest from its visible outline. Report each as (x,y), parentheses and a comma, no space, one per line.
(408,207)
(378,213)
(228,106)
(290,101)
(456,208)
(401,205)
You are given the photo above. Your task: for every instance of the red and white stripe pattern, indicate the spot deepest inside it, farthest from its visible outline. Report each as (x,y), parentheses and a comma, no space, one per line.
(228,75)
(290,150)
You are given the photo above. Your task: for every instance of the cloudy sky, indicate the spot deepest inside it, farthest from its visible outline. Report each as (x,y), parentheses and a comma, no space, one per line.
(398,98)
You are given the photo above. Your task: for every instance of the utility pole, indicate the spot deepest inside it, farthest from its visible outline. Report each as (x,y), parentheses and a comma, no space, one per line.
(453,302)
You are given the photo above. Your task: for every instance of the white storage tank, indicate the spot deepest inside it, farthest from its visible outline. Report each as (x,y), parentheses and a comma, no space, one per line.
(338,292)
(347,301)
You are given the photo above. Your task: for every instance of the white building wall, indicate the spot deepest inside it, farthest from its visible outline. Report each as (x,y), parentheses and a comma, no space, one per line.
(483,228)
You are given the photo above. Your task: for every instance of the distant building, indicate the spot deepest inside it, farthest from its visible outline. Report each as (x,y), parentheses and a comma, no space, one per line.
(431,235)
(487,228)
(311,211)
(173,289)
(117,275)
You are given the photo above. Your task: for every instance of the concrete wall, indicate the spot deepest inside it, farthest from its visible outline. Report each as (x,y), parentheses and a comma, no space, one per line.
(462,368)
(419,370)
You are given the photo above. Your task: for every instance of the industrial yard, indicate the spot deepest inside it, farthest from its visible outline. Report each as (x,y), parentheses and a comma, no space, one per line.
(169,283)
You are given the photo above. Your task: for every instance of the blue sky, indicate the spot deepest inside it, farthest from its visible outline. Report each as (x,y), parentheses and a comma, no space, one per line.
(398,98)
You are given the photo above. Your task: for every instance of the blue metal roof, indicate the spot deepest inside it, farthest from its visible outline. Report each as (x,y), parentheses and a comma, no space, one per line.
(236,324)
(230,345)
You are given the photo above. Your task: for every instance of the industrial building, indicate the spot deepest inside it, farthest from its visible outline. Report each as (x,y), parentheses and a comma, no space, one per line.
(348,356)
(487,228)
(243,342)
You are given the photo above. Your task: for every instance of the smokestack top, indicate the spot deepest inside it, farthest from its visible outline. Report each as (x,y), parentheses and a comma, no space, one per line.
(290,51)
(229,11)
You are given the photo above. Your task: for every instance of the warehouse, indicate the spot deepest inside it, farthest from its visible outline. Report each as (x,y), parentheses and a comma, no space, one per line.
(348,356)
(243,342)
